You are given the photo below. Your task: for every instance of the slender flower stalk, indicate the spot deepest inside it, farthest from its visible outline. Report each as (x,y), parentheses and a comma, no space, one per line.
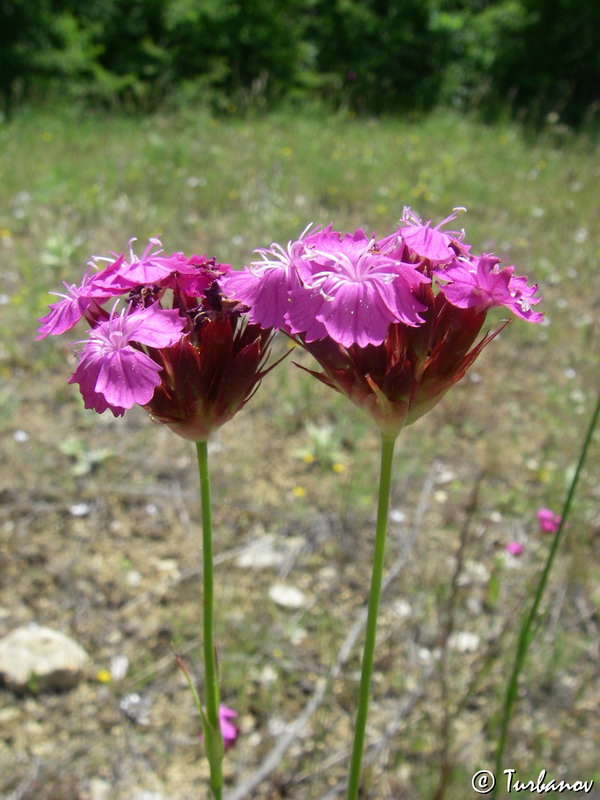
(383,503)
(212,730)
(526,632)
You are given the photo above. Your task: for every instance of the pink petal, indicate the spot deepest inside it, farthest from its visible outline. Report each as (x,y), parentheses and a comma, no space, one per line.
(302,314)
(429,243)
(127,377)
(357,314)
(265,294)
(229,731)
(86,375)
(153,326)
(63,316)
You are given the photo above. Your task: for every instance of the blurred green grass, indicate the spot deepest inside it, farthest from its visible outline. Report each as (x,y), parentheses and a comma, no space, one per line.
(74,184)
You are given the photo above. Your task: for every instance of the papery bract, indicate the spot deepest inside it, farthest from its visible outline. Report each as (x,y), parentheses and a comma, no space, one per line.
(209,376)
(401,379)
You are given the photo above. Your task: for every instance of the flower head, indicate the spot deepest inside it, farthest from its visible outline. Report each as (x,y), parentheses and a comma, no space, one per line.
(177,346)
(401,379)
(393,322)
(548,521)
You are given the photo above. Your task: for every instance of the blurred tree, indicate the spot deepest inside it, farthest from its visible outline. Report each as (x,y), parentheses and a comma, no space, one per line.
(22,34)
(532,56)
(380,55)
(553,66)
(253,47)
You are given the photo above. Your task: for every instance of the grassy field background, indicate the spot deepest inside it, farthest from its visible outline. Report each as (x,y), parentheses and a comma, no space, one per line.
(99,517)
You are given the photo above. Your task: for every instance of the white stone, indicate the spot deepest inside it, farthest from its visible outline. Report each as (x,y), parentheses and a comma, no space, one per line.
(446,476)
(474,572)
(99,789)
(144,794)
(80,509)
(40,657)
(261,555)
(401,608)
(133,578)
(268,675)
(464,641)
(119,666)
(287,596)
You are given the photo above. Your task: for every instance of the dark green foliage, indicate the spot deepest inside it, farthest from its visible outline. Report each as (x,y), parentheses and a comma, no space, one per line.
(554,64)
(236,46)
(379,55)
(534,57)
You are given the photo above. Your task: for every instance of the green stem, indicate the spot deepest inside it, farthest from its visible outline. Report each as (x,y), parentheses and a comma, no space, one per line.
(385,476)
(212,731)
(526,633)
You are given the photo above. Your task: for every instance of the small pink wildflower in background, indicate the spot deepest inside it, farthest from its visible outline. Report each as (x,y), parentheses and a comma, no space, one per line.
(514,548)
(548,520)
(229,731)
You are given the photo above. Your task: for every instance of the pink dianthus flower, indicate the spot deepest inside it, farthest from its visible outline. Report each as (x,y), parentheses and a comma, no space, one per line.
(229,731)
(432,244)
(178,347)
(515,548)
(478,283)
(548,521)
(393,322)
(352,291)
(114,372)
(265,285)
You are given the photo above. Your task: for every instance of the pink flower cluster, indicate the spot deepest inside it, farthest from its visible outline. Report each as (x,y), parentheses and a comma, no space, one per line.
(169,340)
(392,321)
(351,287)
